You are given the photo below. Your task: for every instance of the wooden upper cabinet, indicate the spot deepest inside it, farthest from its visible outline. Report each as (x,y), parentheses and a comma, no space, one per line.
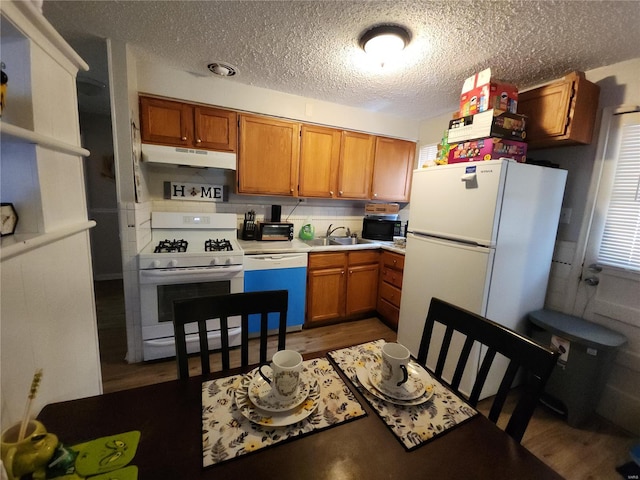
(180,124)
(166,122)
(356,165)
(268,156)
(392,169)
(319,158)
(215,129)
(561,113)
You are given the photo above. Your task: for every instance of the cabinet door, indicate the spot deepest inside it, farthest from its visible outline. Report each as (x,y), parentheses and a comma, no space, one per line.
(356,165)
(215,129)
(319,157)
(561,113)
(166,122)
(547,109)
(268,157)
(325,294)
(362,289)
(392,169)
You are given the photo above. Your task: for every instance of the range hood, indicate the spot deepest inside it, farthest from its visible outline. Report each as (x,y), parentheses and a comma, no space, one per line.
(188,156)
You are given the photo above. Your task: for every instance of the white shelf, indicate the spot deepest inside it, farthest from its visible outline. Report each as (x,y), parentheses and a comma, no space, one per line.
(11,133)
(13,245)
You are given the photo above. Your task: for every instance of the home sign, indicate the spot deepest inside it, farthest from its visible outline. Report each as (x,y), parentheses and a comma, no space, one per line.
(196,192)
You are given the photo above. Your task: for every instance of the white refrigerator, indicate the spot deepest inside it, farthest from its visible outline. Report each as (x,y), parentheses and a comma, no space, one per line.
(481,236)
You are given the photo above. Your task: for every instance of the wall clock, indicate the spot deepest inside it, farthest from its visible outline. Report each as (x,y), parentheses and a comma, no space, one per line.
(8,219)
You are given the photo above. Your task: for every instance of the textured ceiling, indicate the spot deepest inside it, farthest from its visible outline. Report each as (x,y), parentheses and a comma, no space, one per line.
(310,48)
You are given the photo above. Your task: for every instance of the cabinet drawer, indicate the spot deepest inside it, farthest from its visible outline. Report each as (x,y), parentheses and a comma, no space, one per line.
(393,260)
(327,260)
(390,312)
(390,293)
(392,276)
(362,257)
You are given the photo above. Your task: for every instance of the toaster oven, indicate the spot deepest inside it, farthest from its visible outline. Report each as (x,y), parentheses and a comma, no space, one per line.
(275,231)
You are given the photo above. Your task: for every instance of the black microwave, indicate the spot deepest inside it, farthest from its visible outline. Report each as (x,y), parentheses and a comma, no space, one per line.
(382,229)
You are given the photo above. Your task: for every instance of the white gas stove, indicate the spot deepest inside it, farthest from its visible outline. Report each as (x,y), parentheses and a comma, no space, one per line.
(190,255)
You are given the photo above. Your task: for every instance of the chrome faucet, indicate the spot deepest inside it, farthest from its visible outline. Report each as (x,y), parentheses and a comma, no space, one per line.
(330,231)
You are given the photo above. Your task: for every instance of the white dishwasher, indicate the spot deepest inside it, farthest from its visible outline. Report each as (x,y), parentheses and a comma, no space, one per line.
(278,271)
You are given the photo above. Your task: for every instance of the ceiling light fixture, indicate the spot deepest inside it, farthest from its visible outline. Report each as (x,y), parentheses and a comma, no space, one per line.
(222,69)
(383,42)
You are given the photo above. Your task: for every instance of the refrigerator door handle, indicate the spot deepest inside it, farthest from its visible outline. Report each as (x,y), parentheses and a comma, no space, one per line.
(468,177)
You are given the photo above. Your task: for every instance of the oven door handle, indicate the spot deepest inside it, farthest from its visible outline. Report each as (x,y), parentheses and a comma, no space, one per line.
(194,274)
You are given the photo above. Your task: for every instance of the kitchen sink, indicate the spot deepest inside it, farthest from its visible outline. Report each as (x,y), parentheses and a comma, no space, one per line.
(336,241)
(318,242)
(346,241)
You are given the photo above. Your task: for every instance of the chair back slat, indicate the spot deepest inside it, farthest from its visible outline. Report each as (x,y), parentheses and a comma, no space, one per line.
(534,361)
(481,377)
(444,351)
(462,362)
(222,307)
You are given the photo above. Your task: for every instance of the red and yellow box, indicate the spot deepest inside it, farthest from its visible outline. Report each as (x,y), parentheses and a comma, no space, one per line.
(487,149)
(480,93)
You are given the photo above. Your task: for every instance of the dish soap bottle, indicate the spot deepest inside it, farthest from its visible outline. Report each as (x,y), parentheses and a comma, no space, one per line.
(307,232)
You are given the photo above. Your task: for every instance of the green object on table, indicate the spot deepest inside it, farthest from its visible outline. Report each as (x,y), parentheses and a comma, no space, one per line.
(106,454)
(307,232)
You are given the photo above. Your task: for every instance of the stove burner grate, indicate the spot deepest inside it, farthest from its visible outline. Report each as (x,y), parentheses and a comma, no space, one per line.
(217,245)
(171,246)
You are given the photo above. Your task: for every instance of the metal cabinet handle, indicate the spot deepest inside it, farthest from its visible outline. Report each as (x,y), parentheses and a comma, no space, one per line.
(331,192)
(375,195)
(340,193)
(183,138)
(198,141)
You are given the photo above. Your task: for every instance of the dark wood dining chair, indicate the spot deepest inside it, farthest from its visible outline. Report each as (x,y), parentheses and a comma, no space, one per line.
(524,355)
(199,310)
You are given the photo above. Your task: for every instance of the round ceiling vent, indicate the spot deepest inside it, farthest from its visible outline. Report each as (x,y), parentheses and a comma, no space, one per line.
(222,69)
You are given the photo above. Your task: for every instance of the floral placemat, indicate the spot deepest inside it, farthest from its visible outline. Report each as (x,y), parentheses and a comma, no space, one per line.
(413,425)
(227,433)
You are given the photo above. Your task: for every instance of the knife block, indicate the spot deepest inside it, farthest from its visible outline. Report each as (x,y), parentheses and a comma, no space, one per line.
(249,230)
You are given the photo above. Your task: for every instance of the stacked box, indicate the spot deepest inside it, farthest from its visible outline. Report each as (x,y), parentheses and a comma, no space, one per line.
(480,93)
(492,123)
(488,149)
(381,208)
(487,126)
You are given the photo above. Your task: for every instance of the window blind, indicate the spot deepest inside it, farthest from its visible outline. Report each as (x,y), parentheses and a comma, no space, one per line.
(427,153)
(620,244)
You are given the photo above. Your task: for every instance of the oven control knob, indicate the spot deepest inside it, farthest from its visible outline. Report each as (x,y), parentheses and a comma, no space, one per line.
(173,263)
(155,264)
(213,261)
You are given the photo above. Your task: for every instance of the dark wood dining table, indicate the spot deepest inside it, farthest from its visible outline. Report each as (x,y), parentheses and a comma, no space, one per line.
(169,417)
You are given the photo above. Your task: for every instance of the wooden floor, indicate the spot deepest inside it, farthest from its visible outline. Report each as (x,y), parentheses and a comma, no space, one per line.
(590,452)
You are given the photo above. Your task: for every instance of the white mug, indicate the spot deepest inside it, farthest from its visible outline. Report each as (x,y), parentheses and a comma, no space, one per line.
(286,366)
(395,358)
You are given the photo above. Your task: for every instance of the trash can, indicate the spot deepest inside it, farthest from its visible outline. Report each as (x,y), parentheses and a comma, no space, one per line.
(587,354)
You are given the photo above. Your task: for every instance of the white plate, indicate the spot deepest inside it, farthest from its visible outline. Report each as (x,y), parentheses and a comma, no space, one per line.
(262,396)
(413,369)
(413,388)
(282,419)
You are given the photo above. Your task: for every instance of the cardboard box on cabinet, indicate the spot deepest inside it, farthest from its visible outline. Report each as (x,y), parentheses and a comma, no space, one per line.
(492,123)
(487,149)
(480,93)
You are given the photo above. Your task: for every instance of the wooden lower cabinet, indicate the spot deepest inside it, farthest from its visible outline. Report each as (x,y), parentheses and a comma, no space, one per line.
(390,287)
(341,285)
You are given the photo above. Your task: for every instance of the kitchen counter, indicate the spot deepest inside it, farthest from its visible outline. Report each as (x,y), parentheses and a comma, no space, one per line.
(255,247)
